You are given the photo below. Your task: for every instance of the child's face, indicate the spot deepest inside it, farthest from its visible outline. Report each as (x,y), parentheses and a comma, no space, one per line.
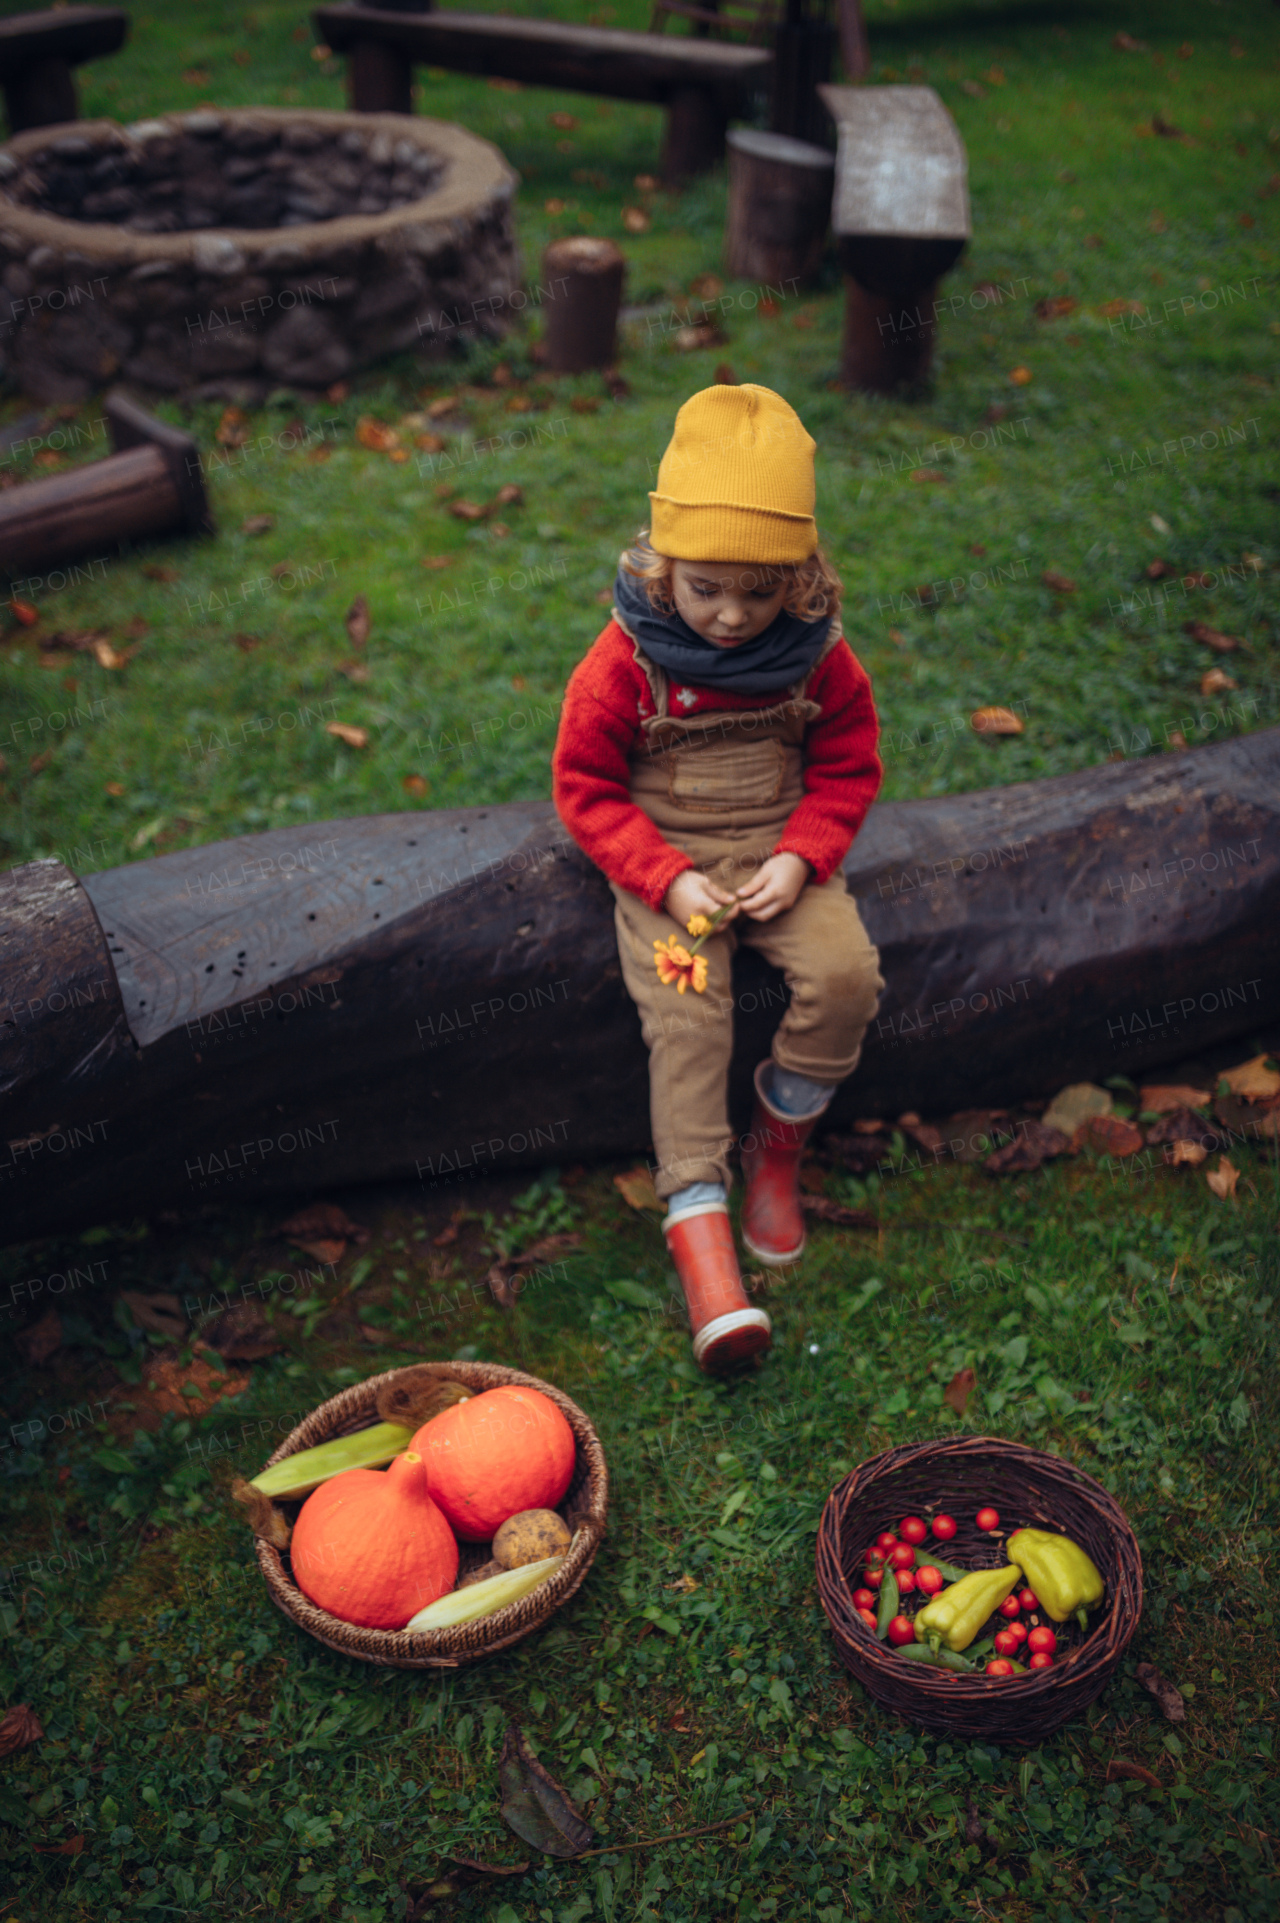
(727,602)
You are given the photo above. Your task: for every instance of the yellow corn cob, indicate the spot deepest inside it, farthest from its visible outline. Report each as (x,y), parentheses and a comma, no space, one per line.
(366,1449)
(482,1598)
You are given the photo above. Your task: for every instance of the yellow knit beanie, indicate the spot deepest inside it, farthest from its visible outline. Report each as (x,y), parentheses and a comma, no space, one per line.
(736,482)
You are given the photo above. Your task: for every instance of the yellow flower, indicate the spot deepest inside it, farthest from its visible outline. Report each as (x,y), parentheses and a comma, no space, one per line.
(675,964)
(700,925)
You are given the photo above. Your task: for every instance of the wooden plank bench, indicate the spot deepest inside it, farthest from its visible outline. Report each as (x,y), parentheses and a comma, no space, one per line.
(37,53)
(699,82)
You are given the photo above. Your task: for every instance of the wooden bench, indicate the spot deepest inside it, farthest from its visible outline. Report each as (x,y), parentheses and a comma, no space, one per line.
(701,83)
(37,53)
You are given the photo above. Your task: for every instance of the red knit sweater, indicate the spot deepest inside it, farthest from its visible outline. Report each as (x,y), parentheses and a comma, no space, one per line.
(607,699)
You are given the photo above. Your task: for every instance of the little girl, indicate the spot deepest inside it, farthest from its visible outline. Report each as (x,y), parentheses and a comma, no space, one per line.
(716,756)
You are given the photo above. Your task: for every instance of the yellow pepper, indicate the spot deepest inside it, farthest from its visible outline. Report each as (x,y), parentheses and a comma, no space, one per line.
(1066,1581)
(957,1614)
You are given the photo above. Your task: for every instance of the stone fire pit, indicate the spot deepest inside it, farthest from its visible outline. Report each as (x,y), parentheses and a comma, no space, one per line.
(238,251)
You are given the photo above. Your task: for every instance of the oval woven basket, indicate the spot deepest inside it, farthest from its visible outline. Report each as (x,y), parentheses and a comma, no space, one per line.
(1031,1490)
(585,1509)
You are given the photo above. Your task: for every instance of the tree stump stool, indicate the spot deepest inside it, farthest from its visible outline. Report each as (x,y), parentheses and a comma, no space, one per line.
(585,276)
(38,52)
(151,485)
(901,217)
(779,207)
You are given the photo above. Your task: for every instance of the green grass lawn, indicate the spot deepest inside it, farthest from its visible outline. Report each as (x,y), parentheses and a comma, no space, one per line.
(202,1756)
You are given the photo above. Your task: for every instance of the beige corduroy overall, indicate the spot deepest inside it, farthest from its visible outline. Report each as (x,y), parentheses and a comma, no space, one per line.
(721,786)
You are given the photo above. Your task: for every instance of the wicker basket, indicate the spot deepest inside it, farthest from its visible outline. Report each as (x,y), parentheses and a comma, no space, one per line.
(584,1508)
(1031,1490)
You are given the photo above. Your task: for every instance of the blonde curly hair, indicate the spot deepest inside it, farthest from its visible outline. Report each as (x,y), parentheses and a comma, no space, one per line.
(813,586)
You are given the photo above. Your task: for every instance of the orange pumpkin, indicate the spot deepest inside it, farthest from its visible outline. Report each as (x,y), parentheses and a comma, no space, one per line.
(491,1457)
(372,1548)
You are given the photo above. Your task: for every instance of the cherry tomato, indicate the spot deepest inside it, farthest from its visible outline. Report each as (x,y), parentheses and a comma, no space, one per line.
(1028,1600)
(929,1579)
(1019,1632)
(868,1618)
(886,1541)
(874,1556)
(901,1631)
(912,1530)
(902,1556)
(1000,1667)
(873,1578)
(864,1598)
(943,1527)
(1007,1644)
(988,1519)
(906,1581)
(1041,1660)
(1042,1640)
(1010,1607)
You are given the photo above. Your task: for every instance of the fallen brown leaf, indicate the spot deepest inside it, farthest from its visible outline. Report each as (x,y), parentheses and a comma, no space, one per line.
(1216,681)
(1056,307)
(193,1391)
(533,1803)
(1157,570)
(996,721)
(836,1213)
(585,403)
(1211,637)
(162,1314)
(70,1846)
(348,732)
(1059,582)
(1120,1771)
(233,429)
(635,220)
(24,614)
(266,1521)
(509,495)
(108,657)
(449,1235)
(376,435)
(323,1230)
(43,1339)
(240,1334)
(358,622)
(923,475)
(1254,1080)
(446,404)
(1125,43)
(258,524)
(1183,1125)
(1162,1098)
(1111,309)
(468,510)
(1033,1145)
(1109,1135)
(1167,1694)
(502,1275)
(1185,1154)
(38,763)
(1020,376)
(357,672)
(637,1190)
(19,1728)
(247,642)
(417,785)
(1223,1179)
(565,121)
(959,1389)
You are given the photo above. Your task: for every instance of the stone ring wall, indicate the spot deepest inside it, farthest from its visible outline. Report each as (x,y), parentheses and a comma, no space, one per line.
(301,302)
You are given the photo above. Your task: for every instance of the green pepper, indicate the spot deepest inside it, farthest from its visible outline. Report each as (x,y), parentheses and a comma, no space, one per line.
(937,1658)
(1066,1581)
(925,1561)
(956,1616)
(888,1604)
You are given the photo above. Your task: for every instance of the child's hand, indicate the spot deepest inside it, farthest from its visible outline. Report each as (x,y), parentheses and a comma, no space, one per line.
(692,894)
(775,888)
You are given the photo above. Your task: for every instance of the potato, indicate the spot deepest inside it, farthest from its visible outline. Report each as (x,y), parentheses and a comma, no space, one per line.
(530,1536)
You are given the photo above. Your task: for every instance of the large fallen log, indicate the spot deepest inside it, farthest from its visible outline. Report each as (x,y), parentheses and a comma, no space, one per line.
(428,996)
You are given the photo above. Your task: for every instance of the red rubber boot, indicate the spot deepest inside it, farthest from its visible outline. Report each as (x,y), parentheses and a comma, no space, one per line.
(772,1225)
(726,1329)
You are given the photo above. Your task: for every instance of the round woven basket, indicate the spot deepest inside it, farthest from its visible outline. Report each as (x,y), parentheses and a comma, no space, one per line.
(1031,1490)
(585,1509)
